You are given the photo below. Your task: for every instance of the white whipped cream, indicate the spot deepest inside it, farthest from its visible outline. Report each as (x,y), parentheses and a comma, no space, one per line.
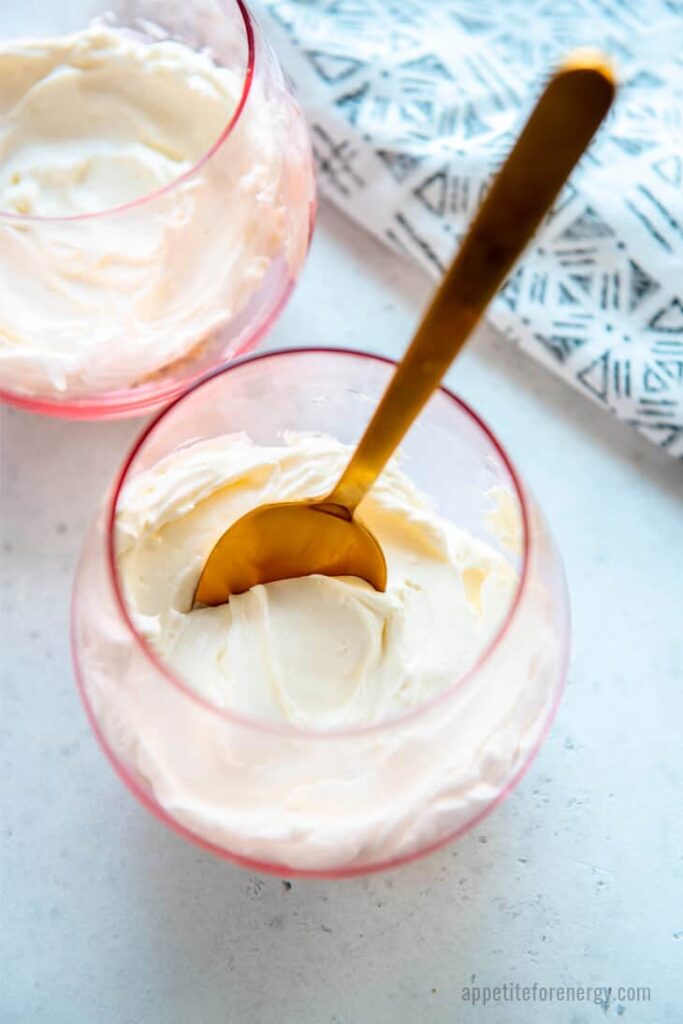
(316,652)
(98,119)
(319,653)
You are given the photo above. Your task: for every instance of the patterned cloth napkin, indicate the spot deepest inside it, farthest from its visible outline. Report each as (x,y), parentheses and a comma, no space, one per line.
(413,104)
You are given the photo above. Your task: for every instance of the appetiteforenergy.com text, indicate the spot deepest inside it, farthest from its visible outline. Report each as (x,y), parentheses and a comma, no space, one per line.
(517,992)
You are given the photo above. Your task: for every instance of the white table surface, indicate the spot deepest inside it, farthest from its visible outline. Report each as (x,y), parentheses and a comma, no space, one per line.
(577,879)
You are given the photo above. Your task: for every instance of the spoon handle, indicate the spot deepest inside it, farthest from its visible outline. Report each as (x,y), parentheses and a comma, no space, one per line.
(561,125)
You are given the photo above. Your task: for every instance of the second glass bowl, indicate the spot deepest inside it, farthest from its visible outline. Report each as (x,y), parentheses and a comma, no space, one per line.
(332,804)
(164,273)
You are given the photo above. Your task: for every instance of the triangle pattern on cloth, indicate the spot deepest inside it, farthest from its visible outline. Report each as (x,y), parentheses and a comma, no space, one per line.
(641,285)
(588,225)
(669,320)
(670,169)
(399,162)
(433,192)
(334,67)
(595,376)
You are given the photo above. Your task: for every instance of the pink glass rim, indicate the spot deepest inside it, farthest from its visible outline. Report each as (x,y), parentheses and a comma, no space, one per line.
(190,173)
(252,723)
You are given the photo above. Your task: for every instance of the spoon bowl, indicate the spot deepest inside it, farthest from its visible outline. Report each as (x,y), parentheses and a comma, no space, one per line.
(303,539)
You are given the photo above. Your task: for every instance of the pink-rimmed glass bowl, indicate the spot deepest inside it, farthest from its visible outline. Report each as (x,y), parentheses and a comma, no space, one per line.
(407,785)
(188,302)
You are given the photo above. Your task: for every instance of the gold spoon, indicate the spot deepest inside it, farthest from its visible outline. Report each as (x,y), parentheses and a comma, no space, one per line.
(322,535)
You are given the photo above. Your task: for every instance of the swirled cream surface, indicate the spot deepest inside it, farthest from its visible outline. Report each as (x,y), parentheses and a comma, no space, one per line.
(317,652)
(92,122)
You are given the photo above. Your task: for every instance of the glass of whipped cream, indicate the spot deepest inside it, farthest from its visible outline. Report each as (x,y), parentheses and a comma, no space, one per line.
(156,198)
(315,726)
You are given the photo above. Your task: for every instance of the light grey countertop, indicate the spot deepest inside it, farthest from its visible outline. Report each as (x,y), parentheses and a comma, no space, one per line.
(577,879)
